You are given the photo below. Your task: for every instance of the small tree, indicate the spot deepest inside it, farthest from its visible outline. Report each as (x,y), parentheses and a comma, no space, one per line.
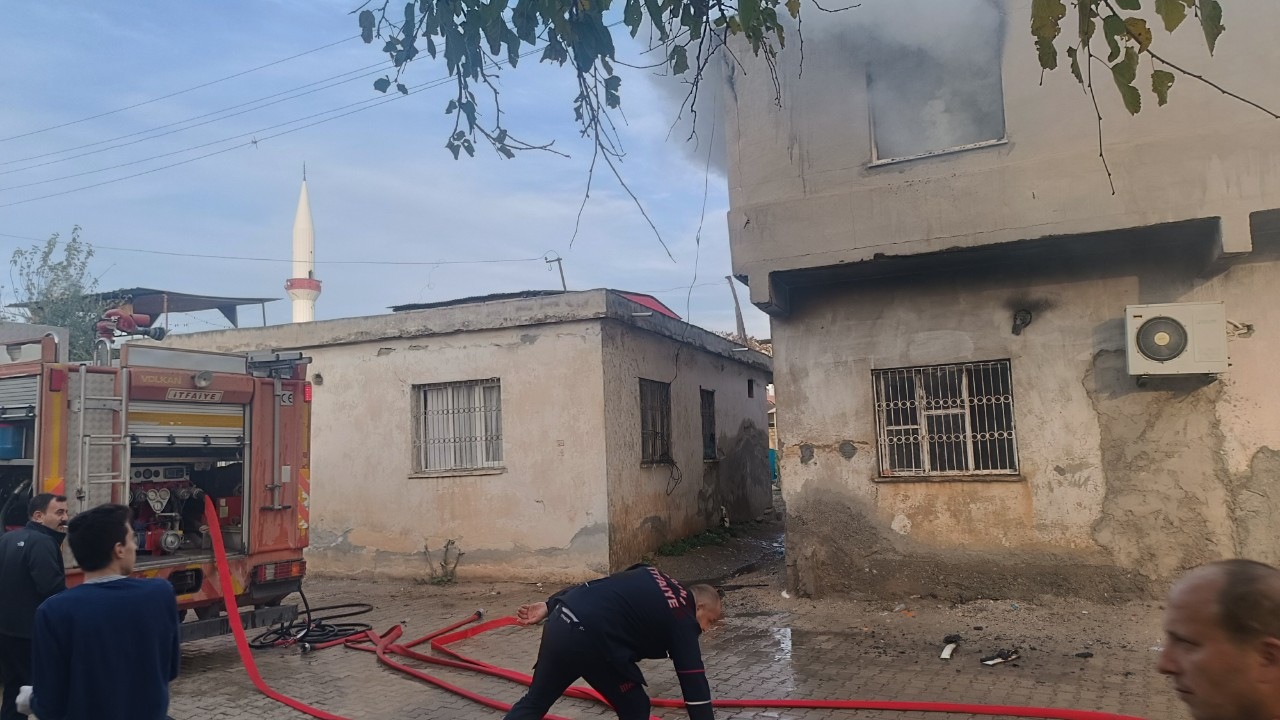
(55,288)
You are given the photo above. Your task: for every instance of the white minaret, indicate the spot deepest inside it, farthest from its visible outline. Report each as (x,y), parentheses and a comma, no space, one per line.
(303,287)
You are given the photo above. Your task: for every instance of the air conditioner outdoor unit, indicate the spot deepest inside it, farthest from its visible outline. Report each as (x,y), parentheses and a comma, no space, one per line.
(1176,339)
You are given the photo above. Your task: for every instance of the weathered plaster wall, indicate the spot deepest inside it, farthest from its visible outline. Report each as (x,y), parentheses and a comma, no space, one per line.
(1121,486)
(543,518)
(649,506)
(802,192)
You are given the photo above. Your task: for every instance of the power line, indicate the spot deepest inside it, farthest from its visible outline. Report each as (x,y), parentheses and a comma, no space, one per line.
(681,288)
(377,101)
(244,258)
(253,142)
(190,119)
(179,92)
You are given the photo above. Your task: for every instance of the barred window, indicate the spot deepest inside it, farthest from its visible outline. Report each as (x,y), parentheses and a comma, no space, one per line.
(708,424)
(459,426)
(655,421)
(946,420)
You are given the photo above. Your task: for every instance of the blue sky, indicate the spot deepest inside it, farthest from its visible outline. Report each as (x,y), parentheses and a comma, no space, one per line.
(382,185)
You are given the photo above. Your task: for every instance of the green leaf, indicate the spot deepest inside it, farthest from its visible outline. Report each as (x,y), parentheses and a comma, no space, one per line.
(525,20)
(1126,70)
(1114,28)
(1161,81)
(367,24)
(1129,4)
(1075,64)
(401,87)
(1046,25)
(1139,31)
(454,148)
(1124,73)
(1132,99)
(679,59)
(468,109)
(1088,16)
(453,105)
(793,7)
(612,97)
(1173,12)
(654,11)
(381,84)
(506,152)
(471,149)
(633,16)
(1211,21)
(749,13)
(410,20)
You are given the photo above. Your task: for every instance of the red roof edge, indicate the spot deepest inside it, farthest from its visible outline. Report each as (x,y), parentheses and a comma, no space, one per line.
(650,302)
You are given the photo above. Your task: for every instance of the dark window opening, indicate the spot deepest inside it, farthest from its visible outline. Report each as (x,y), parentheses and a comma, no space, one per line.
(655,422)
(709,425)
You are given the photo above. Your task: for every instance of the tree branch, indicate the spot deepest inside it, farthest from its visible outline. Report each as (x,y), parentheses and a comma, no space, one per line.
(1188,73)
(1093,96)
(837,10)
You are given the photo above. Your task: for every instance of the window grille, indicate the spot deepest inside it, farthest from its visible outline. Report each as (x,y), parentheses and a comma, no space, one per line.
(655,421)
(709,425)
(946,420)
(459,426)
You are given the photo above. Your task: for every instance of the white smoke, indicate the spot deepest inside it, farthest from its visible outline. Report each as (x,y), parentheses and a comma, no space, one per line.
(933,70)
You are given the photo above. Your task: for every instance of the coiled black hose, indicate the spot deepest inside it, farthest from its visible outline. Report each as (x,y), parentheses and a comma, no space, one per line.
(313,628)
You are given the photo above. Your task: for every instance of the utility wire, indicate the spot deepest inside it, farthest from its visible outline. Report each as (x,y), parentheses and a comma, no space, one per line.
(376,100)
(362,70)
(253,142)
(179,92)
(243,258)
(283,260)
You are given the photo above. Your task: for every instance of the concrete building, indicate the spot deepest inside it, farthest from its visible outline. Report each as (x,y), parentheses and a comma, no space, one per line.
(948,273)
(552,436)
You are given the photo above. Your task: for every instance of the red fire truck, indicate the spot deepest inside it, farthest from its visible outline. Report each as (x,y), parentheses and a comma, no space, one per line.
(158,429)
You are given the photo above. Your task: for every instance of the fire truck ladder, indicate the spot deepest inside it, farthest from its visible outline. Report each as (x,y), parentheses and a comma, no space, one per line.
(119,442)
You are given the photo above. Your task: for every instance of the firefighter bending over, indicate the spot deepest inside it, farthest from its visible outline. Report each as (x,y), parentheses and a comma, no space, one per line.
(597,632)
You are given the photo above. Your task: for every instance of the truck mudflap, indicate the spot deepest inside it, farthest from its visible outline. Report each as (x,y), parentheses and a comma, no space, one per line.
(249,619)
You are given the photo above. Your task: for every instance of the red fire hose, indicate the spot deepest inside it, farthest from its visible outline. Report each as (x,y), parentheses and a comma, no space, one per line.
(384,646)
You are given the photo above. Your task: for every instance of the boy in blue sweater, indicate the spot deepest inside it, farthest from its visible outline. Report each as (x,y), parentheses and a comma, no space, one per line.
(108,648)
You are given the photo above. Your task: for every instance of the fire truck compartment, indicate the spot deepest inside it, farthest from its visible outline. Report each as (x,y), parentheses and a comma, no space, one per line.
(167,499)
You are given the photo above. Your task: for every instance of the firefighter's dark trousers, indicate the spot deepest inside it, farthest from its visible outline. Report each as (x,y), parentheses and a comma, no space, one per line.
(566,654)
(15,671)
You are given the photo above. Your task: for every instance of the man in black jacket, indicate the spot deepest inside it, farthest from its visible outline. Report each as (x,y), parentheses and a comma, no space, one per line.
(597,632)
(30,572)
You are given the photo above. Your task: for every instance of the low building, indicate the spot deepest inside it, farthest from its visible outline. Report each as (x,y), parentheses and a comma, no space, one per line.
(551,436)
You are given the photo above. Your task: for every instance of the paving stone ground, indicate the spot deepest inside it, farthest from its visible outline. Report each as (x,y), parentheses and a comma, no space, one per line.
(770,647)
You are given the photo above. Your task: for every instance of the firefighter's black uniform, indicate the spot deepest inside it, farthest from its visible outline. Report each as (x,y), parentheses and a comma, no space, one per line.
(597,632)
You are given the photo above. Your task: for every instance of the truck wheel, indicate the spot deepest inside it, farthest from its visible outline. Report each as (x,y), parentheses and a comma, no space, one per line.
(208,612)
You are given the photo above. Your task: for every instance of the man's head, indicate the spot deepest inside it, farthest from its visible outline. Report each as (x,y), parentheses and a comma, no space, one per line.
(1222,646)
(102,539)
(49,510)
(710,610)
